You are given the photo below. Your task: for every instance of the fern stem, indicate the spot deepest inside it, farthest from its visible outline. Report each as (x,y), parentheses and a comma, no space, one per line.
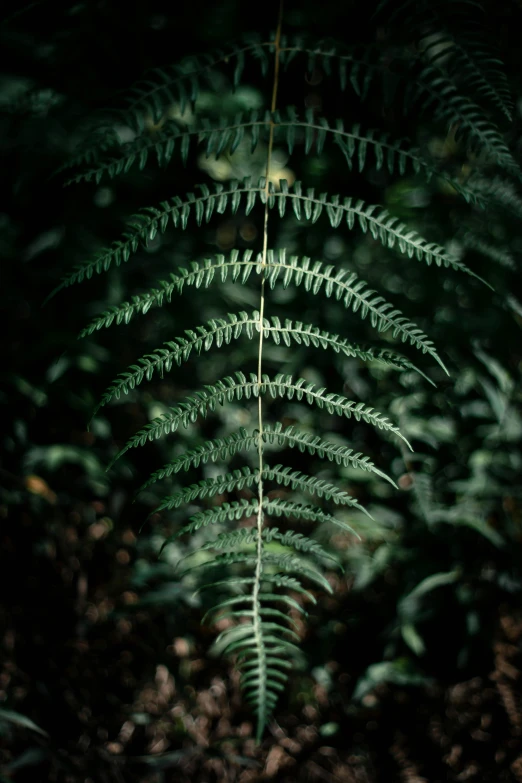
(256,604)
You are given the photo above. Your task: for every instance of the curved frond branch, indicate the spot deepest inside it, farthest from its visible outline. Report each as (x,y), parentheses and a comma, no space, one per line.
(229,389)
(264,658)
(221,449)
(454,37)
(222,331)
(247,598)
(351,290)
(354,65)
(434,87)
(218,515)
(382,226)
(246,477)
(166,140)
(230,482)
(392,154)
(299,543)
(292,437)
(144,225)
(235,265)
(468,59)
(316,278)
(288,563)
(498,192)
(238,539)
(237,387)
(277,580)
(180,83)
(99,140)
(239,509)
(292,510)
(312,485)
(213,450)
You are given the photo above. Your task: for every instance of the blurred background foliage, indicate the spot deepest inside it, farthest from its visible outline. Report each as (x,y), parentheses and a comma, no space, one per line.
(411,670)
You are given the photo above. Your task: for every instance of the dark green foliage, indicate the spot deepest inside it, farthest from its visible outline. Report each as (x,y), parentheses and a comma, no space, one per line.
(266,565)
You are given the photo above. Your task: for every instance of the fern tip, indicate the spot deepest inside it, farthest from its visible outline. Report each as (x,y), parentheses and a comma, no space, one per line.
(52,294)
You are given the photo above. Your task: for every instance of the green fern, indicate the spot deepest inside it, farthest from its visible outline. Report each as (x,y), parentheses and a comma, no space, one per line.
(453,35)
(266,567)
(311,133)
(437,90)
(468,60)
(306,206)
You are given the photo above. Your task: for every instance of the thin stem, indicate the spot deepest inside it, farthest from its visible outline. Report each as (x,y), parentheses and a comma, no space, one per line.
(256,621)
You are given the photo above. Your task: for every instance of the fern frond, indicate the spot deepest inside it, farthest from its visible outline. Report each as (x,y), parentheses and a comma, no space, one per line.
(378,221)
(237,387)
(181,83)
(472,63)
(263,568)
(497,191)
(219,330)
(99,140)
(218,515)
(237,539)
(224,448)
(167,139)
(354,65)
(237,480)
(277,580)
(238,509)
(315,279)
(487,247)
(262,646)
(238,266)
(457,37)
(287,563)
(313,486)
(228,389)
(213,450)
(241,613)
(264,657)
(247,597)
(394,155)
(483,135)
(246,477)
(351,290)
(222,331)
(314,444)
(289,509)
